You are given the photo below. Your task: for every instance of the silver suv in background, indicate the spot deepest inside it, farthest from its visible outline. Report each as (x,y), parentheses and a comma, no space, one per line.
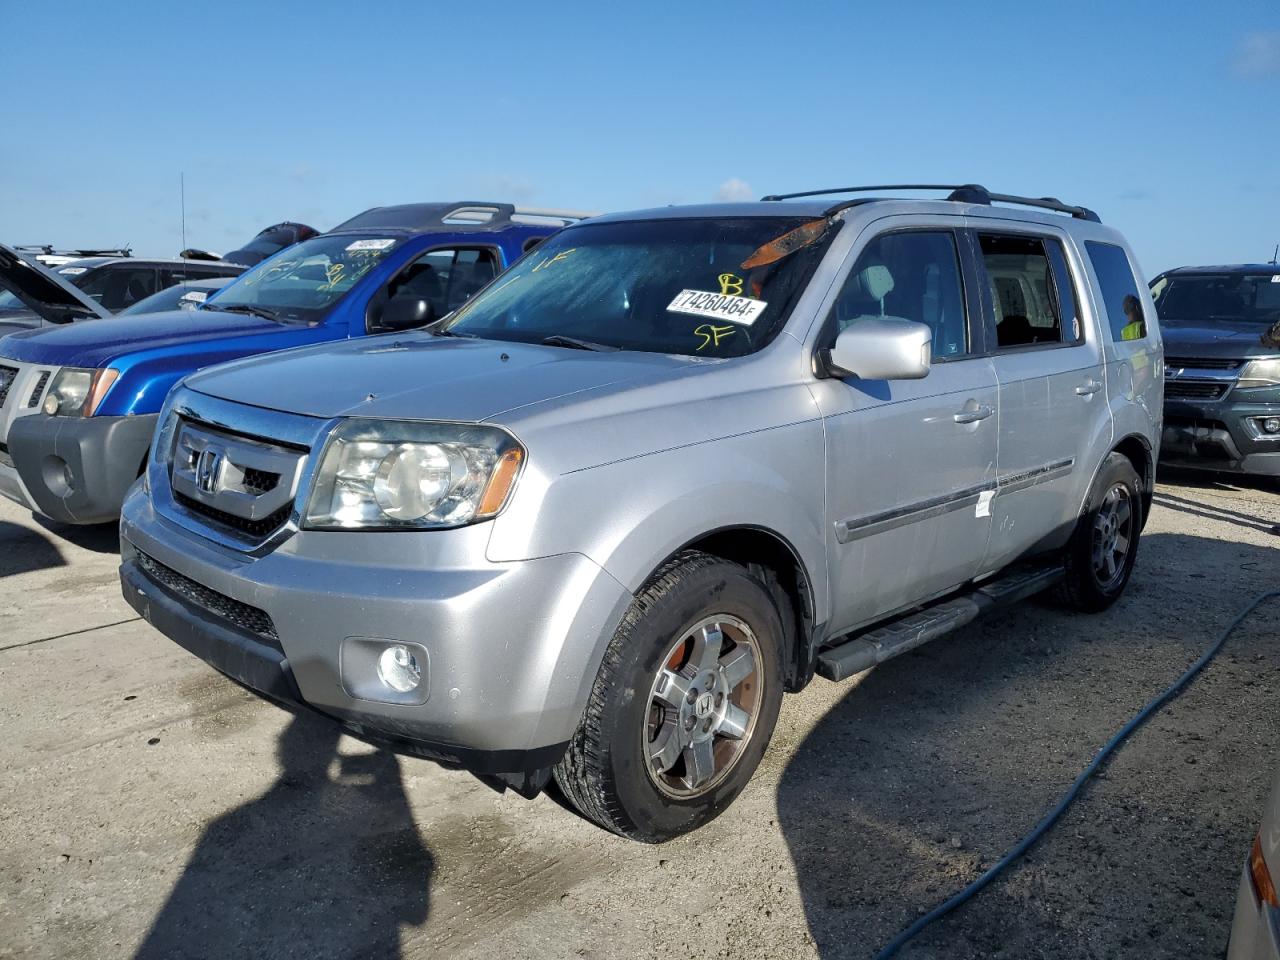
(669,465)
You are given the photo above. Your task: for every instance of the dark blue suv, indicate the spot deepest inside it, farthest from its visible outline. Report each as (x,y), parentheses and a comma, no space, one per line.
(1222,367)
(78,403)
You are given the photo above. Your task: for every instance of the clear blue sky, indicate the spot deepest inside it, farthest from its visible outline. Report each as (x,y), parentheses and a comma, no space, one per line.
(1162,116)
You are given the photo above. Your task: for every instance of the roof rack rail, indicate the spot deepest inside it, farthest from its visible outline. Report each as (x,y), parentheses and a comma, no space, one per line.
(961,193)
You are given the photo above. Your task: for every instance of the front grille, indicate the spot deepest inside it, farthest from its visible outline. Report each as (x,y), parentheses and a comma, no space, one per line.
(259,481)
(239,483)
(255,528)
(1190,390)
(1203,363)
(220,605)
(7,376)
(38,392)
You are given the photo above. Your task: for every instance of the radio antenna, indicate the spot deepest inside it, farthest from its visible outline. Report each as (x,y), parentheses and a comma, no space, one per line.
(182,201)
(1275,255)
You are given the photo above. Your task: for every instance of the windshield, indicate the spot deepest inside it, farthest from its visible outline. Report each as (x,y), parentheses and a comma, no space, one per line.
(699,287)
(1224,297)
(304,281)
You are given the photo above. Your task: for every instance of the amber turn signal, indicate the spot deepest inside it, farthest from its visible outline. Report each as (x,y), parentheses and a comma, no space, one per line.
(501,481)
(1264,889)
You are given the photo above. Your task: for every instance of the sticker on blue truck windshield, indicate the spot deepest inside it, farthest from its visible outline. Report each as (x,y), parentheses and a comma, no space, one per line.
(369,245)
(717,306)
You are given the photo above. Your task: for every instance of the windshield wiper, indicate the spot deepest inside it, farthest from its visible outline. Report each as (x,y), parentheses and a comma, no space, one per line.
(573,343)
(256,311)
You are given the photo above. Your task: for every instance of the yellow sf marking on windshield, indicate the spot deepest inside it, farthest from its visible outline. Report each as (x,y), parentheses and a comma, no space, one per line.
(730,285)
(550,260)
(712,335)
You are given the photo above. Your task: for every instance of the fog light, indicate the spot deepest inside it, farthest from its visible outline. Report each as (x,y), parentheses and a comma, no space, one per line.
(398,669)
(1271,425)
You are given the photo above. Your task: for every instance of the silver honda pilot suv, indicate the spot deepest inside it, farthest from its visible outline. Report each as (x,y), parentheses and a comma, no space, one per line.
(671,464)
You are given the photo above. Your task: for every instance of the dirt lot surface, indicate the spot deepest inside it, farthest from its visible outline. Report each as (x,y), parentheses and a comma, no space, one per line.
(150,807)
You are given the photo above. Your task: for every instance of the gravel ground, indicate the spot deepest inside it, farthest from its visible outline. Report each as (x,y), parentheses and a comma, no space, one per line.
(150,807)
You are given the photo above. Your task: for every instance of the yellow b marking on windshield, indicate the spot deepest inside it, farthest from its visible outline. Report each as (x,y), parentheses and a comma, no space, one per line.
(333,274)
(730,285)
(712,335)
(550,260)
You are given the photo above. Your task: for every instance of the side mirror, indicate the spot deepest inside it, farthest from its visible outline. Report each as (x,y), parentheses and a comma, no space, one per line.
(883,348)
(406,313)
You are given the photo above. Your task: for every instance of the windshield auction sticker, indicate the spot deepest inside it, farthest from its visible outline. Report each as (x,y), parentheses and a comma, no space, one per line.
(369,245)
(717,306)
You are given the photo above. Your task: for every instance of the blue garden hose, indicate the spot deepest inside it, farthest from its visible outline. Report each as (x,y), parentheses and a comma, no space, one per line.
(1051,817)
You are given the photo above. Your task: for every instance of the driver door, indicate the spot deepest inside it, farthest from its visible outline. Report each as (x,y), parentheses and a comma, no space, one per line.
(910,464)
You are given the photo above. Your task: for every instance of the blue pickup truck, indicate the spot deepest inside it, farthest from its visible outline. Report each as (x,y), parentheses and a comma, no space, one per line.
(78,402)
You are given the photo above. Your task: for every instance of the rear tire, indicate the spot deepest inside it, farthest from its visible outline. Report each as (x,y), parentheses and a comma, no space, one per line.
(1100,557)
(684,704)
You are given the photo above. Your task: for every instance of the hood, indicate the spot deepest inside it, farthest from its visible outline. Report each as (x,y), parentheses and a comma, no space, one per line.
(1221,339)
(97,344)
(422,377)
(47,294)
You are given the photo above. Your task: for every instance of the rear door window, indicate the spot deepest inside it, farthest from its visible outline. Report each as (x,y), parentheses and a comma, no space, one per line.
(1119,288)
(1031,291)
(119,287)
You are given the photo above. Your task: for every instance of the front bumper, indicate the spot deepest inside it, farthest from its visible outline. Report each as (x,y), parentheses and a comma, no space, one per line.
(75,470)
(512,647)
(1213,435)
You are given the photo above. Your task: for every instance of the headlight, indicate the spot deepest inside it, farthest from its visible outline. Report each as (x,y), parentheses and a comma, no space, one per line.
(78,393)
(402,474)
(1260,374)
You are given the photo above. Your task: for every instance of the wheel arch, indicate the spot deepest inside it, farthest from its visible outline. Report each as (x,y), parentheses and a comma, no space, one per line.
(779,564)
(1137,449)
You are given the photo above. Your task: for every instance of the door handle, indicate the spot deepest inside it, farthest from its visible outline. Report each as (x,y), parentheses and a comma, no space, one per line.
(1088,388)
(974,413)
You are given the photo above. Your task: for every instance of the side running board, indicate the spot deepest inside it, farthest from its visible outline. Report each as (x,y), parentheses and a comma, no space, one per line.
(862,651)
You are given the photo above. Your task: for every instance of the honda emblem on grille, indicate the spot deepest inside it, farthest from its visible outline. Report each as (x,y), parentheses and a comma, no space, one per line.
(209,464)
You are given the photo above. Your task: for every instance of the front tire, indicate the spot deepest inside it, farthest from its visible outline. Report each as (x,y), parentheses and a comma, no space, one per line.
(1100,557)
(684,703)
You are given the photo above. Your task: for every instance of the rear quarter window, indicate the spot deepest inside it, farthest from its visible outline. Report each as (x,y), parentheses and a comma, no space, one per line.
(1118,287)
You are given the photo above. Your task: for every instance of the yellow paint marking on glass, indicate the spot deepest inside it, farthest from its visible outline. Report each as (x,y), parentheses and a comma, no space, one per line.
(712,335)
(333,274)
(730,285)
(550,260)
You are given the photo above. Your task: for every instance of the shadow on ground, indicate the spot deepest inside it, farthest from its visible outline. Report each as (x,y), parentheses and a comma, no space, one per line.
(940,760)
(97,538)
(327,863)
(23,550)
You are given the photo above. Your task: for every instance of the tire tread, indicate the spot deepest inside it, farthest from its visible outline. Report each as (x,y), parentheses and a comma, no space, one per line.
(579,772)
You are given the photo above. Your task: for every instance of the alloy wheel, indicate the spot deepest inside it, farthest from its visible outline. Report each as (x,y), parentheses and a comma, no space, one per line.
(1112,535)
(703,706)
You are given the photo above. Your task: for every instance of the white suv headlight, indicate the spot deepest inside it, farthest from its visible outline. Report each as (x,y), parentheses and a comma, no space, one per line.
(77,393)
(1259,374)
(379,474)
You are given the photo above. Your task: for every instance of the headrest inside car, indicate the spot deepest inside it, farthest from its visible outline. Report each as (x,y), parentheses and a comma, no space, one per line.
(876,280)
